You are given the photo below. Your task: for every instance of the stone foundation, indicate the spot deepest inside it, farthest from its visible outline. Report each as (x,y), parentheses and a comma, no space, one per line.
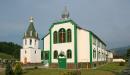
(79,65)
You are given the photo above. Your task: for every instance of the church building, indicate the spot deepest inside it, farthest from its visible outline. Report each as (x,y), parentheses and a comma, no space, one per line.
(69,46)
(30,53)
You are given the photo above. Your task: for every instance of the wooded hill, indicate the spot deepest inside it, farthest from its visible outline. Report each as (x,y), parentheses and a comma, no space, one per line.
(11,49)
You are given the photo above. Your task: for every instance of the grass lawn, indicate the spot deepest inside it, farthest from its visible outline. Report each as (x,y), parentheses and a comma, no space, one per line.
(107,69)
(5,56)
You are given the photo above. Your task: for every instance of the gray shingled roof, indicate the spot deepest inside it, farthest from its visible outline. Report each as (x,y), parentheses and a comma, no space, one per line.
(30,29)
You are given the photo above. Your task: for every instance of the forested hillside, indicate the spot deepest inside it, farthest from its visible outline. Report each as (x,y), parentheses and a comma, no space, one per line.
(10,48)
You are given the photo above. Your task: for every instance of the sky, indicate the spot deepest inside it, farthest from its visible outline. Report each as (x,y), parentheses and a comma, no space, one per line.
(108,19)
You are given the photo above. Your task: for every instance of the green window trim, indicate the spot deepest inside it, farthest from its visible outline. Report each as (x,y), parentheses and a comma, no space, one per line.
(55,37)
(75,45)
(90,37)
(46,55)
(50,47)
(62,35)
(69,35)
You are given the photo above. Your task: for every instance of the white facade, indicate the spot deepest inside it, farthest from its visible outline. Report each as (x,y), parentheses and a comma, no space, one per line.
(63,47)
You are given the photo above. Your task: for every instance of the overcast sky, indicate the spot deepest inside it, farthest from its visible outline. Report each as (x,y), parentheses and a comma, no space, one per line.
(109,19)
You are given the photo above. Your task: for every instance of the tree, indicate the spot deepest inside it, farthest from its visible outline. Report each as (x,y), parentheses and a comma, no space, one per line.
(8,70)
(128,52)
(10,48)
(18,69)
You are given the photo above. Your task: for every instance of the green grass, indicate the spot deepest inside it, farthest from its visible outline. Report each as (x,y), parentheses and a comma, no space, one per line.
(107,69)
(5,56)
(113,67)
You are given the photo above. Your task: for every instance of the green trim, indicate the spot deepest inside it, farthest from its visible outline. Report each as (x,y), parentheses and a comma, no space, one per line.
(43,51)
(58,37)
(75,45)
(50,47)
(63,21)
(97,37)
(48,52)
(90,37)
(66,36)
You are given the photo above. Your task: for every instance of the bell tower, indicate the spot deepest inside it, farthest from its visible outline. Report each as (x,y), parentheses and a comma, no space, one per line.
(30,53)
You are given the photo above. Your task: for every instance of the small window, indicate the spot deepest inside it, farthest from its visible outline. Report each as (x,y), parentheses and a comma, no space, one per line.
(30,41)
(35,42)
(69,35)
(55,54)
(55,37)
(35,52)
(25,42)
(94,53)
(30,33)
(46,55)
(94,40)
(69,54)
(25,51)
(62,35)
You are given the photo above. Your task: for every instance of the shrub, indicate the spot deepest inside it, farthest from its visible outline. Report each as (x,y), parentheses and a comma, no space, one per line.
(18,69)
(121,63)
(9,70)
(35,67)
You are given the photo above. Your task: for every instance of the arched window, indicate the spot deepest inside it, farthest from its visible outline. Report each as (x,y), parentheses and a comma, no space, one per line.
(69,54)
(98,54)
(25,42)
(55,54)
(94,53)
(25,51)
(30,41)
(55,37)
(35,42)
(62,35)
(69,35)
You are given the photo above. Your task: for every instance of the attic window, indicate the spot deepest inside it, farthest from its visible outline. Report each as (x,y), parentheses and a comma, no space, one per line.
(25,52)
(25,42)
(30,33)
(30,41)
(36,34)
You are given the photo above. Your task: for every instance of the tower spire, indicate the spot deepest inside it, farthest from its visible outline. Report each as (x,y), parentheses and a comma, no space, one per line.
(31,32)
(65,14)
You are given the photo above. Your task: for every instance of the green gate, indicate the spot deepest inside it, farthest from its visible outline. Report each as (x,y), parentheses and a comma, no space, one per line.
(62,62)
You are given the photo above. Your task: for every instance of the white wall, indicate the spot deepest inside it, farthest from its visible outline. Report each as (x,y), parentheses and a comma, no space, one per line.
(34,44)
(30,49)
(31,56)
(110,55)
(83,44)
(118,60)
(47,43)
(100,49)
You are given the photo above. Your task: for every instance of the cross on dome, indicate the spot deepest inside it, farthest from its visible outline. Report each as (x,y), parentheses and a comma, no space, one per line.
(31,19)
